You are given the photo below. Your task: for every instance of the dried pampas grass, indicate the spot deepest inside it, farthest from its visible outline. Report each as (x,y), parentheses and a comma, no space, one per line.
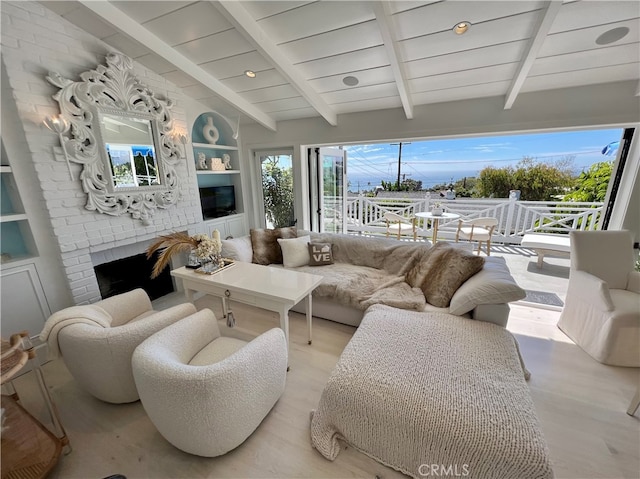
(172,243)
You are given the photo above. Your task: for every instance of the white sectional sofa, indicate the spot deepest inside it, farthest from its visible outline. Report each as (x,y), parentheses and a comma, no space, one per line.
(369,271)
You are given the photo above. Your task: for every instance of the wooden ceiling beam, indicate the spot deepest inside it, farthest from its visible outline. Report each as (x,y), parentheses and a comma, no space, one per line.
(547,16)
(132,29)
(384,19)
(240,18)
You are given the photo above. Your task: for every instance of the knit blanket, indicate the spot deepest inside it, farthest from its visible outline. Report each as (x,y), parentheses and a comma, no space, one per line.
(93,315)
(429,394)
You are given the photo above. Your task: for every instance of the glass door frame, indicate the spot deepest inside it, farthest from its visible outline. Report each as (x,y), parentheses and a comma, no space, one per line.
(317,208)
(258,198)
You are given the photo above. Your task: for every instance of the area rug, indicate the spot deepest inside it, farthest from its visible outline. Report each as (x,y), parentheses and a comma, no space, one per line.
(543,297)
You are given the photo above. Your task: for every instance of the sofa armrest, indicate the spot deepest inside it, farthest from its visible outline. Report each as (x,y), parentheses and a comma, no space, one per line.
(592,290)
(492,313)
(491,285)
(633,281)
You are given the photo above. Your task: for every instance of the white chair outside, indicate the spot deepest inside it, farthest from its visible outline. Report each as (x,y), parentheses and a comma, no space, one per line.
(96,341)
(477,229)
(399,225)
(204,392)
(602,308)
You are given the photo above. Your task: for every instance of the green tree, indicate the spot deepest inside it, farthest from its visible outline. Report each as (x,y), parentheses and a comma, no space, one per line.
(277,191)
(495,182)
(405,185)
(536,181)
(592,184)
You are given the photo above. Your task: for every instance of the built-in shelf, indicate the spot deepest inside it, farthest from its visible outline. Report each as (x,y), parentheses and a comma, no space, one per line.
(5,169)
(13,217)
(225,172)
(214,147)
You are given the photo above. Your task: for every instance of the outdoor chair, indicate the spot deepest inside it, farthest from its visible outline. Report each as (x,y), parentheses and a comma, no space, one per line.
(478,229)
(400,225)
(601,313)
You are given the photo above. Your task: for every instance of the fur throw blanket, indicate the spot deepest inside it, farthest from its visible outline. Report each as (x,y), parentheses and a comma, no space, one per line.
(361,286)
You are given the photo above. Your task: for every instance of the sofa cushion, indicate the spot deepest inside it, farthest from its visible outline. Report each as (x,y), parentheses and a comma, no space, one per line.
(264,242)
(320,254)
(238,249)
(491,285)
(295,251)
(441,271)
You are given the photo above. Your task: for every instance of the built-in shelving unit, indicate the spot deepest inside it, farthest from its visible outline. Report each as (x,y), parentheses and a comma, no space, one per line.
(16,239)
(225,144)
(215,146)
(225,172)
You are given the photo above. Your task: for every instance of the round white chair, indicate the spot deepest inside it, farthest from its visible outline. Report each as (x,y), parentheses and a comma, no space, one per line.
(96,341)
(207,393)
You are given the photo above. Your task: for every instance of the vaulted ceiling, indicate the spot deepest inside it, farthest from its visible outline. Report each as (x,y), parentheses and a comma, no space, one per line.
(324,58)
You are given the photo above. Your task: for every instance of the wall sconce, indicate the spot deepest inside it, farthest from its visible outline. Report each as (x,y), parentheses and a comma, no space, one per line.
(59,125)
(181,138)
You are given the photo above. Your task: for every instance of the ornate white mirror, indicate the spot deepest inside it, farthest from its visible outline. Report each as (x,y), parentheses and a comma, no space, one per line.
(119,131)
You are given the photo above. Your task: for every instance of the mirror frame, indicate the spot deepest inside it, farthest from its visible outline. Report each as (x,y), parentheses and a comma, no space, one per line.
(113,89)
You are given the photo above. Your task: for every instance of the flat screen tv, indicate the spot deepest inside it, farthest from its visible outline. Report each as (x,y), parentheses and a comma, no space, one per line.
(217,201)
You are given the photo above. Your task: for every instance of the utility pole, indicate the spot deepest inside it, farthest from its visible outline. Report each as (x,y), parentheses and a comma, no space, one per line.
(399,160)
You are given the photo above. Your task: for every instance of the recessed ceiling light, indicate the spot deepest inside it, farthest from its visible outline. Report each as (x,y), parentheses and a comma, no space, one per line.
(461,28)
(250,73)
(350,81)
(612,35)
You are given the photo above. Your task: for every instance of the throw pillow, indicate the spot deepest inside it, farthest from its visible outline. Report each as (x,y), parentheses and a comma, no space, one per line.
(441,271)
(295,251)
(320,254)
(264,242)
(238,249)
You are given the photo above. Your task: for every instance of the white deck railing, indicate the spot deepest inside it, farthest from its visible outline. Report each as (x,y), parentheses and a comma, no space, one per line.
(515,218)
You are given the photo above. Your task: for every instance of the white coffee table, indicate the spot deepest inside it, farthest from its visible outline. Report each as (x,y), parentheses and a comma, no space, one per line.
(271,288)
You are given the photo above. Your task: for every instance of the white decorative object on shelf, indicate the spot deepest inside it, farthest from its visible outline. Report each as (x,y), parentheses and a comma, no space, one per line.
(202,161)
(216,164)
(210,132)
(226,159)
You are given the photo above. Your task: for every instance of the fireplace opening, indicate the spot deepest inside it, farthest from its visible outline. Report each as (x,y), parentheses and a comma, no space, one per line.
(126,274)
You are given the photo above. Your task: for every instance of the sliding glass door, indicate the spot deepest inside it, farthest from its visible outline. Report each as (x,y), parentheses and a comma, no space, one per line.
(327,179)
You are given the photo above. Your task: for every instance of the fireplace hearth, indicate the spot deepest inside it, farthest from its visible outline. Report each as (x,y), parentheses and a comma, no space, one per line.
(126,274)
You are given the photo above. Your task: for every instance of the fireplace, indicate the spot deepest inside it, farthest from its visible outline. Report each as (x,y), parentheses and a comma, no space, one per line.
(125,274)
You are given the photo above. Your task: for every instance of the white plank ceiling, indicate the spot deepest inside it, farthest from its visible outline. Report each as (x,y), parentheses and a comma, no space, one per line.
(301,51)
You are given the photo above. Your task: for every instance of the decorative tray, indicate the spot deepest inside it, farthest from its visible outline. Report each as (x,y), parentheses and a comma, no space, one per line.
(227,264)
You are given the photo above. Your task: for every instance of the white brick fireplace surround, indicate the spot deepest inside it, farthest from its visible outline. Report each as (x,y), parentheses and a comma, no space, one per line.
(36,41)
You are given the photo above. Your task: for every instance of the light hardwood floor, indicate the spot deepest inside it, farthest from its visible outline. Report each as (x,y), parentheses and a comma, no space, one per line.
(581,405)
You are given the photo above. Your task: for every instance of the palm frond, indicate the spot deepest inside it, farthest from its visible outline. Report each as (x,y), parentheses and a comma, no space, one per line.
(170,244)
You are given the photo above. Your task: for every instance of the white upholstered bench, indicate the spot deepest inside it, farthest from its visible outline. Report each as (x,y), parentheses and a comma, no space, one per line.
(547,244)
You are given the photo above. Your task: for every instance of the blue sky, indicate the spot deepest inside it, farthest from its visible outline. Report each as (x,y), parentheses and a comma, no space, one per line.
(438,161)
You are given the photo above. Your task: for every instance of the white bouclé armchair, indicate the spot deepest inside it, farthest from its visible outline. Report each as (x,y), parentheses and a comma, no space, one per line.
(602,308)
(96,341)
(204,392)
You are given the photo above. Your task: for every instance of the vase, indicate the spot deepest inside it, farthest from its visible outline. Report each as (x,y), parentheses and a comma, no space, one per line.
(210,263)
(210,132)
(436,211)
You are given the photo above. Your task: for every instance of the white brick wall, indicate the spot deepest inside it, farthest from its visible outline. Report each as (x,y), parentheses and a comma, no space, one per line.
(36,41)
